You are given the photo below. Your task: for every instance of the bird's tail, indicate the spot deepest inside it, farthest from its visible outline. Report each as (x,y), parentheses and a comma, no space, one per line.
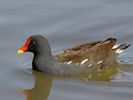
(120,48)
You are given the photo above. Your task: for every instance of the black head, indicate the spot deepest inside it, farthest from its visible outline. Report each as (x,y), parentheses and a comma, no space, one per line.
(36,44)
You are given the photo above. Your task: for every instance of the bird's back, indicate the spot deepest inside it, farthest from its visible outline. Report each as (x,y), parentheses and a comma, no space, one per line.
(92,53)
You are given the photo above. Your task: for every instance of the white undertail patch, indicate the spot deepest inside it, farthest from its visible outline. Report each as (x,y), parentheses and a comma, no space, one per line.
(119,51)
(115,46)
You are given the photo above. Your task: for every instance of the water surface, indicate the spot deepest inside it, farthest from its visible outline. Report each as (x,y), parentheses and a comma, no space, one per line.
(63,23)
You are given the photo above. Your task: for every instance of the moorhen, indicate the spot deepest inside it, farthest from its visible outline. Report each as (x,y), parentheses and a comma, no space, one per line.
(79,59)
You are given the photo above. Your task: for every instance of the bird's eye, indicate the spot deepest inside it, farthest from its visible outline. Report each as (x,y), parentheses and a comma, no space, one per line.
(34,42)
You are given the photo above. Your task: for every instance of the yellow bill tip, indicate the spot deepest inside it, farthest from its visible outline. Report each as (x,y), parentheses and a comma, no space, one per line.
(20,51)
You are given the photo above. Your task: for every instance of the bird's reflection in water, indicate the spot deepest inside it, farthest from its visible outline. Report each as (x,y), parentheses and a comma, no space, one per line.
(41,89)
(43,81)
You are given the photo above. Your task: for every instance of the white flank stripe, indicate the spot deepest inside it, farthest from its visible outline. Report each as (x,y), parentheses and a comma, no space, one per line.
(77,64)
(84,61)
(90,65)
(99,62)
(69,62)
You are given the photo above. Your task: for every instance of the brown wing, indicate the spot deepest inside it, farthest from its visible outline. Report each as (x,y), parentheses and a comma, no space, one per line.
(94,51)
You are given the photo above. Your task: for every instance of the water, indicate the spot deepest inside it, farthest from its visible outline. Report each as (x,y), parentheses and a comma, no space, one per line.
(63,23)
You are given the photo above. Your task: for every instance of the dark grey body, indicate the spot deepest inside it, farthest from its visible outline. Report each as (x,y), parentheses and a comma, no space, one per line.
(45,62)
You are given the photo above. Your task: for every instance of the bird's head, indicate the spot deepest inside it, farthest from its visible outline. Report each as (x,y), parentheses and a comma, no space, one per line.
(35,44)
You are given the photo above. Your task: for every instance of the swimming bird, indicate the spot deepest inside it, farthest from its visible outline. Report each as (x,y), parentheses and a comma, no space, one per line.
(83,58)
